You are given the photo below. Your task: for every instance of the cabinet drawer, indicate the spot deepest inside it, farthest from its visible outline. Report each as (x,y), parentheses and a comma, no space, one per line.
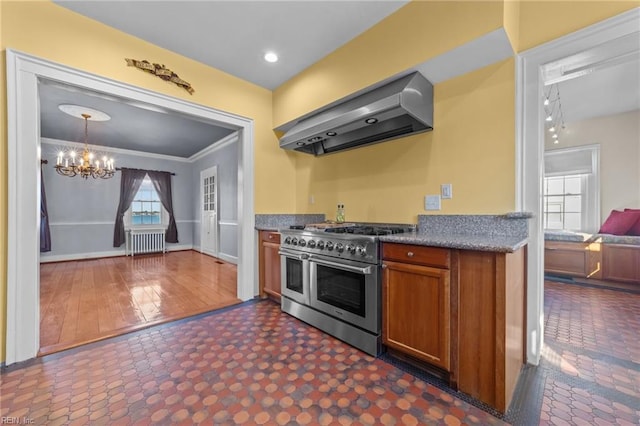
(419,255)
(270,236)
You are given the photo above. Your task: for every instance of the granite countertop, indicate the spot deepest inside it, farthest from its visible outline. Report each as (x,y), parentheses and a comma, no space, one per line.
(497,233)
(268,228)
(494,243)
(276,222)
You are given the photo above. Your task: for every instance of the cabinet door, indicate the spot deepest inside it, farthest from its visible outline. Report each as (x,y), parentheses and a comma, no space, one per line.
(416,318)
(621,263)
(270,263)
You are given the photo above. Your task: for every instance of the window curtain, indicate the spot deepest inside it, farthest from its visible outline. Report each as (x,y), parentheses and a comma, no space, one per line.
(162,184)
(130,181)
(45,233)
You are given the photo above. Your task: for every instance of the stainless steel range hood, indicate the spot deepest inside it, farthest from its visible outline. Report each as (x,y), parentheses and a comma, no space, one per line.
(400,108)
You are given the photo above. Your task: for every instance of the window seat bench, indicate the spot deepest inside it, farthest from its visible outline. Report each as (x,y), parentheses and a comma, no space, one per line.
(592,256)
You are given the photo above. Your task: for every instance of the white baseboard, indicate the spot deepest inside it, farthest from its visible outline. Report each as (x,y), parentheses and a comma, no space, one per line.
(101,254)
(228,258)
(81,256)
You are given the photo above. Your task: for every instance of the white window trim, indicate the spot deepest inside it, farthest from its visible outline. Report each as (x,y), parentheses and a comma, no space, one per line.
(591,200)
(164,219)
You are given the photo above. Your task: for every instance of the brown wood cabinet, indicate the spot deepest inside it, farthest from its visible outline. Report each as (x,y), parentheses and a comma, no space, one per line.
(491,325)
(269,264)
(576,259)
(460,310)
(621,262)
(416,302)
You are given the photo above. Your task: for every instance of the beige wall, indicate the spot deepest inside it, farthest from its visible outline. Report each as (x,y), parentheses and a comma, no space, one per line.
(619,139)
(472,146)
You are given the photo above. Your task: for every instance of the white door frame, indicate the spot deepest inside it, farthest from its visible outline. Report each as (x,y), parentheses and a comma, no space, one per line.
(23,126)
(208,172)
(530,150)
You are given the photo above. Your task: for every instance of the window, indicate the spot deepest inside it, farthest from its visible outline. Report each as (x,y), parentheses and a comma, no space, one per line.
(146,208)
(563,202)
(571,189)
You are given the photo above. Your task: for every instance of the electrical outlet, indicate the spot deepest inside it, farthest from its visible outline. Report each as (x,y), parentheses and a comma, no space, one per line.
(312,199)
(446,191)
(432,202)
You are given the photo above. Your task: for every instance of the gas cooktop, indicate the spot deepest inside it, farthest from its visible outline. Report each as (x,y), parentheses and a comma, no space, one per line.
(353,241)
(372,229)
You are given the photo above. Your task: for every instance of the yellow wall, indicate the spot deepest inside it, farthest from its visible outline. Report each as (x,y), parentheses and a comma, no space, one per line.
(472,145)
(543,21)
(49,31)
(413,34)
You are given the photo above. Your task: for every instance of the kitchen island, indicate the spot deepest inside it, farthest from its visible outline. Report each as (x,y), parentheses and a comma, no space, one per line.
(454,301)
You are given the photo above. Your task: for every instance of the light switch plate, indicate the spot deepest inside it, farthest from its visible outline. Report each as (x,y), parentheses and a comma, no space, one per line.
(446,191)
(432,202)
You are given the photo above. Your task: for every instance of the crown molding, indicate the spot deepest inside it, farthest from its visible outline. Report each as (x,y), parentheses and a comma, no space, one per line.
(222,143)
(59,142)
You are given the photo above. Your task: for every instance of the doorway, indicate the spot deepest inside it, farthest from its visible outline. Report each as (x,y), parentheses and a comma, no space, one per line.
(209,211)
(530,117)
(23,74)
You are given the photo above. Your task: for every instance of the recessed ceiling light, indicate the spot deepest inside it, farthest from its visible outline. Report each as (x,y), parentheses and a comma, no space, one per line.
(270,57)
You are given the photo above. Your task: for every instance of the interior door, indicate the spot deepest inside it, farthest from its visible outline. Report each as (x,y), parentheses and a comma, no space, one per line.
(209,217)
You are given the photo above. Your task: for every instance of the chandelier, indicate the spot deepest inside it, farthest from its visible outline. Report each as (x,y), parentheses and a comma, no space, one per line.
(86,164)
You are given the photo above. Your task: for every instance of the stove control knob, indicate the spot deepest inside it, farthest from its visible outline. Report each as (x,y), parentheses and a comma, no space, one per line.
(287,240)
(361,250)
(351,248)
(329,245)
(294,241)
(339,247)
(311,244)
(320,245)
(302,242)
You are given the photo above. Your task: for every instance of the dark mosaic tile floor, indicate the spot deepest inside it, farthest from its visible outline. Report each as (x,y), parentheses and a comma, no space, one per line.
(590,368)
(254,365)
(246,365)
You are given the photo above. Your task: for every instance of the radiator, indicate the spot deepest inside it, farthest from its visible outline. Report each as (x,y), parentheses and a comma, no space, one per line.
(146,241)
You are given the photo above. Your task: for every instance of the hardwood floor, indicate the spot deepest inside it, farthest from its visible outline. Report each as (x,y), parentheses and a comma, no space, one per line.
(88,300)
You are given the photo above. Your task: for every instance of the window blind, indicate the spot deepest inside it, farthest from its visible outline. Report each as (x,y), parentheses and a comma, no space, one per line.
(568,162)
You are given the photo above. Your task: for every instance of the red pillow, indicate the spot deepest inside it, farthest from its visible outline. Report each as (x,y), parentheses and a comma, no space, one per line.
(635,228)
(619,223)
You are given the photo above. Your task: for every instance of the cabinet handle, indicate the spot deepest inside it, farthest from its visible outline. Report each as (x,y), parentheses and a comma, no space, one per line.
(409,254)
(384,266)
(271,237)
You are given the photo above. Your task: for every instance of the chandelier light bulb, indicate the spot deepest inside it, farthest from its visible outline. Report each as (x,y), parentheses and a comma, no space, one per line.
(555,136)
(88,163)
(557,141)
(552,129)
(546,101)
(549,118)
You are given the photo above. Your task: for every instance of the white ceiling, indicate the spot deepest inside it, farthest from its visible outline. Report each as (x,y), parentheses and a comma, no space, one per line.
(228,35)
(233,35)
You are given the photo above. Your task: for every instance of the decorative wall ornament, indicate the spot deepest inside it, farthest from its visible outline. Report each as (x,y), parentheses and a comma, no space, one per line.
(160,71)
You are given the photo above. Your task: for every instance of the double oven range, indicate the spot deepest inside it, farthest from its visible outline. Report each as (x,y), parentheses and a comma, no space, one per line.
(331,279)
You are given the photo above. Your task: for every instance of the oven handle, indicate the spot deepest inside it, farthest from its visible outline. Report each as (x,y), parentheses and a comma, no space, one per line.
(299,256)
(364,271)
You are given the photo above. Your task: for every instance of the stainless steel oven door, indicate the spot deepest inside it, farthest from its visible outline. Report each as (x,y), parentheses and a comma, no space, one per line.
(294,268)
(346,290)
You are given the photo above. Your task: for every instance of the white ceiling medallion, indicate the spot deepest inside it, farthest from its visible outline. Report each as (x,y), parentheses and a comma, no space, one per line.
(78,111)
